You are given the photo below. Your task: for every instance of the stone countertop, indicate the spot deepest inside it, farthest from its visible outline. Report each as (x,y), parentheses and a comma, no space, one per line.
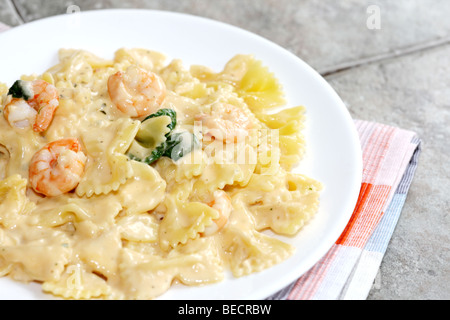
(394,70)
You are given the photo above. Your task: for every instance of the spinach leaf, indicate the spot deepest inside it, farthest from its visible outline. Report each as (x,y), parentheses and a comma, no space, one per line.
(21,90)
(165,112)
(180,144)
(145,147)
(176,146)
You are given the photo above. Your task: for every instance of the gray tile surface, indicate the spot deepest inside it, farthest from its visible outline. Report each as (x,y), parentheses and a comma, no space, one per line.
(396,75)
(412,92)
(325,33)
(8,15)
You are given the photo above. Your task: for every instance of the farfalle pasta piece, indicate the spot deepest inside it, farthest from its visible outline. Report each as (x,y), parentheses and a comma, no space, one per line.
(91,215)
(77,283)
(178,187)
(19,148)
(139,228)
(179,80)
(107,167)
(145,184)
(151,141)
(144,276)
(180,175)
(292,150)
(268,152)
(14,203)
(190,166)
(101,212)
(40,259)
(232,73)
(52,217)
(77,66)
(247,250)
(289,125)
(253,252)
(147,59)
(183,221)
(226,166)
(79,75)
(103,262)
(283,203)
(5,268)
(207,263)
(260,88)
(218,176)
(248,78)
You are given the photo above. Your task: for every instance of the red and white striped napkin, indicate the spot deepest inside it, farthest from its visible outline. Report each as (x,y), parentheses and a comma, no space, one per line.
(349,269)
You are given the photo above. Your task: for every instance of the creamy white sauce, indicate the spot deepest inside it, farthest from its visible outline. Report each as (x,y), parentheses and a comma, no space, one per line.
(130,230)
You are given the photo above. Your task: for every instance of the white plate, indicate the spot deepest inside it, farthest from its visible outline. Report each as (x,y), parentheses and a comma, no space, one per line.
(333,156)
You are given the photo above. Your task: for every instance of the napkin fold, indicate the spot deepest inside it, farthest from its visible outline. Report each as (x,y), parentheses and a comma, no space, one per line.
(348,270)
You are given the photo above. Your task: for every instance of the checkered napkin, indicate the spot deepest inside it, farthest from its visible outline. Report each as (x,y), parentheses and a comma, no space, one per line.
(349,269)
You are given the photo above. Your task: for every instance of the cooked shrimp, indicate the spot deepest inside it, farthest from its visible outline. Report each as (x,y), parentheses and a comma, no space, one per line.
(225,122)
(36,108)
(137,92)
(222,203)
(20,114)
(57,168)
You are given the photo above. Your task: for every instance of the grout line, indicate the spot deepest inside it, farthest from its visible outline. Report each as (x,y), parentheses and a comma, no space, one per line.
(385,56)
(16,11)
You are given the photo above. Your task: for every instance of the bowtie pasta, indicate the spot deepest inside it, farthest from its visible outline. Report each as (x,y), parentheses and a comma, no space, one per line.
(121,178)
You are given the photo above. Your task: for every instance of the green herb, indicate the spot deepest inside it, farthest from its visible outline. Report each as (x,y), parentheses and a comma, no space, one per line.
(180,144)
(21,90)
(146,147)
(155,155)
(176,146)
(165,112)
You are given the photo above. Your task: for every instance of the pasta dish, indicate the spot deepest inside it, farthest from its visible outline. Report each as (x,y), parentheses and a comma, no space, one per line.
(121,178)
